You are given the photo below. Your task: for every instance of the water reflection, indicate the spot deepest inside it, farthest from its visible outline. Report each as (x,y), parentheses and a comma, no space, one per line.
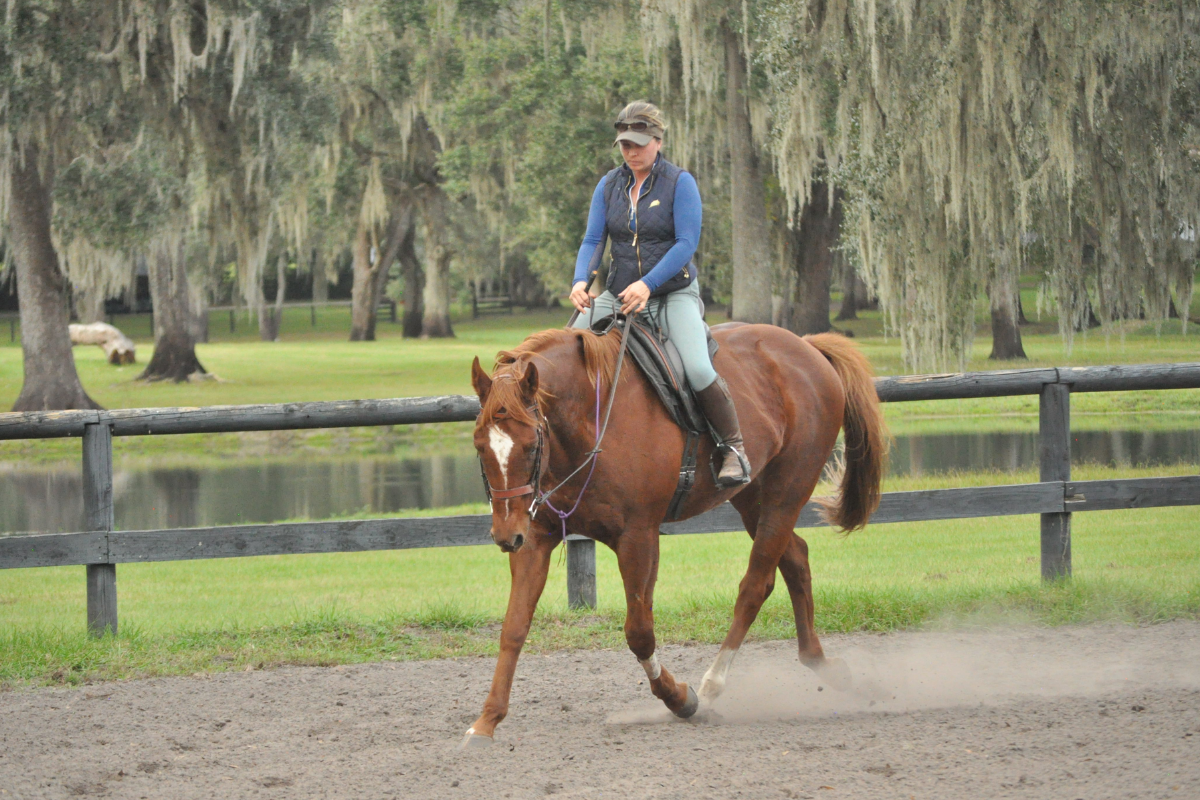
(51,500)
(1010,452)
(185,497)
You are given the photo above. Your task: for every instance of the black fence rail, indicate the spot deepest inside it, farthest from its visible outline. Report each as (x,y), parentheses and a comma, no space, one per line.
(100,548)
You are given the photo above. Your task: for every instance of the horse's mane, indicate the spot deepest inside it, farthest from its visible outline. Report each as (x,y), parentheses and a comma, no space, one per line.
(599,354)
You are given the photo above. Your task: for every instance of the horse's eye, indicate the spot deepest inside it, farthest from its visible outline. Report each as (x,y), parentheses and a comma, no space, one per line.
(501,410)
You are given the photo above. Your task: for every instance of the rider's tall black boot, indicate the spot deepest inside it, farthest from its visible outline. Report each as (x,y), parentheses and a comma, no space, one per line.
(718,407)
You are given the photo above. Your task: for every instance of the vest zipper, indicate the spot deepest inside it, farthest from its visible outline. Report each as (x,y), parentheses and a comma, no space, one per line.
(636,227)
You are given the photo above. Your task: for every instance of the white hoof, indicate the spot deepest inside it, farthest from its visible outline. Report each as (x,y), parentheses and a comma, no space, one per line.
(710,689)
(474,741)
(714,680)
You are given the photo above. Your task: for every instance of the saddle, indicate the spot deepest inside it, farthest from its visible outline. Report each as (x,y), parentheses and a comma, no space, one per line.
(660,362)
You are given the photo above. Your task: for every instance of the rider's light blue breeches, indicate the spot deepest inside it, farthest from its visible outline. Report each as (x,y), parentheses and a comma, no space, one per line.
(679,315)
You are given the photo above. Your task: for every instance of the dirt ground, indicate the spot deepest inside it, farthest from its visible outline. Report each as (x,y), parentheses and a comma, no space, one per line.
(1096,712)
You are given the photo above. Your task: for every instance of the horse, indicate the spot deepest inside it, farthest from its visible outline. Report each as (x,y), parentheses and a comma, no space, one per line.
(539,421)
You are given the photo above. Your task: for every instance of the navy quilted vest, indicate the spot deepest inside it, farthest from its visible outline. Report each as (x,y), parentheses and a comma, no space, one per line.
(654,220)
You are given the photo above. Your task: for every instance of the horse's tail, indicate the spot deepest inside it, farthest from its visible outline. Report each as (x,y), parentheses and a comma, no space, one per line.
(866,440)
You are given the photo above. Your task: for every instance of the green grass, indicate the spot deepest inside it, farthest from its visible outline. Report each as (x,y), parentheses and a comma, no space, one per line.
(1135,566)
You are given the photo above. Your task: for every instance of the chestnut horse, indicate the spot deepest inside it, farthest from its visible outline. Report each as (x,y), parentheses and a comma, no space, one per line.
(537,425)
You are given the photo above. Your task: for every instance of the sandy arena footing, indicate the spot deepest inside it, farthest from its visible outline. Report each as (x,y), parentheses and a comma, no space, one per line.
(1063,713)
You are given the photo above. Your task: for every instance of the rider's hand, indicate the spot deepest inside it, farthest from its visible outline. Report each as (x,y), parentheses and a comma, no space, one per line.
(635,297)
(580,297)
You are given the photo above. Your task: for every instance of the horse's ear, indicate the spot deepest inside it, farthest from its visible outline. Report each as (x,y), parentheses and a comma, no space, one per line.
(529,383)
(480,380)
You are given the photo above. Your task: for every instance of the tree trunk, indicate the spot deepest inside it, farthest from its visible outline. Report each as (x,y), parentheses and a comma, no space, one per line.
(280,290)
(198,308)
(320,279)
(89,305)
(751,237)
(863,297)
(414,285)
(269,317)
(370,277)
(362,300)
(1006,332)
(850,282)
(51,382)
(815,238)
(435,320)
(174,319)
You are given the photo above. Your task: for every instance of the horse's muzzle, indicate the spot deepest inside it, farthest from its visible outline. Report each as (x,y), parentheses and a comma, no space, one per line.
(514,545)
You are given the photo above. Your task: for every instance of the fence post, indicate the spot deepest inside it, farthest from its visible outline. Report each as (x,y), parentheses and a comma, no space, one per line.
(98,516)
(1054,446)
(581,572)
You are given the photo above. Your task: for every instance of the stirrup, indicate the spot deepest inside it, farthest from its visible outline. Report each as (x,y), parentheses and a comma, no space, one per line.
(723,449)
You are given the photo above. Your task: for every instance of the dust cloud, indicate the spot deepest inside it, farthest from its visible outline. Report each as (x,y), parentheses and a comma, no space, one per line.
(908,672)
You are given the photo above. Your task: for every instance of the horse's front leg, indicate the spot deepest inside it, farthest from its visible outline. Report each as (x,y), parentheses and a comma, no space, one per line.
(637,557)
(529,567)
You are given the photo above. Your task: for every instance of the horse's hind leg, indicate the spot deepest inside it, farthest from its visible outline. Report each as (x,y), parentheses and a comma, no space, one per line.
(793,565)
(637,556)
(771,528)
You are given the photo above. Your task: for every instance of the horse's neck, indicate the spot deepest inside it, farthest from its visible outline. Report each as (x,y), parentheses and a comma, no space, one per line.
(570,415)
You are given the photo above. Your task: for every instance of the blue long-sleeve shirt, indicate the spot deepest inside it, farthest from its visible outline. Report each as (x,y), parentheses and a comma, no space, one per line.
(688,215)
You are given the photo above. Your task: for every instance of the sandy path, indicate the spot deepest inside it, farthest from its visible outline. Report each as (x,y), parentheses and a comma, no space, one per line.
(1063,713)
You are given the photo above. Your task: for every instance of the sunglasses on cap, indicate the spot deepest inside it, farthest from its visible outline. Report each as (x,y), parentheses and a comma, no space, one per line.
(636,127)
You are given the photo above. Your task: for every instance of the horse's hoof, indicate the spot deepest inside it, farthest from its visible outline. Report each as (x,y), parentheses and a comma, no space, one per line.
(835,672)
(475,741)
(689,708)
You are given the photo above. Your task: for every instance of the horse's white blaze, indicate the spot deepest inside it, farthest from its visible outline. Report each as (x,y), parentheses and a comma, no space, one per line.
(714,679)
(651,665)
(502,445)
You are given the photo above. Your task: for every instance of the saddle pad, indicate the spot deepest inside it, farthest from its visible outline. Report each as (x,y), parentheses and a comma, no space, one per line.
(660,362)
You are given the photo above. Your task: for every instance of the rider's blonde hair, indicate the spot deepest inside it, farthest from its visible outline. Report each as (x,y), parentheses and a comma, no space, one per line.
(647,112)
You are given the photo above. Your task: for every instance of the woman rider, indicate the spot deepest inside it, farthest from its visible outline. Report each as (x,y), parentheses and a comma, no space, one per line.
(651,211)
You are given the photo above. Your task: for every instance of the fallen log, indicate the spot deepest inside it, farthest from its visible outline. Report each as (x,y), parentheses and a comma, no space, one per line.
(118,348)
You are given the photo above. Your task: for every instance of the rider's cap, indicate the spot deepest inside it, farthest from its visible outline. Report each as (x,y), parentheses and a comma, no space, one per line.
(639,122)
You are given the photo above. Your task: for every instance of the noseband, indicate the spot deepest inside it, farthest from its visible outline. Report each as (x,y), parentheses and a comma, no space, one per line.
(533,487)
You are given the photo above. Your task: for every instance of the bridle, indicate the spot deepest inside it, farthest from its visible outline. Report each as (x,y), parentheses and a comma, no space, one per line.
(535,478)
(533,487)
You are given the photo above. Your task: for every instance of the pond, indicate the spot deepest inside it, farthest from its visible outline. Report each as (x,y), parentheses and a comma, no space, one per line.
(50,500)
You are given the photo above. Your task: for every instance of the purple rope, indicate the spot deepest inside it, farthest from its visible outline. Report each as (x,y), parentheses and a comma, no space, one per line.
(563,516)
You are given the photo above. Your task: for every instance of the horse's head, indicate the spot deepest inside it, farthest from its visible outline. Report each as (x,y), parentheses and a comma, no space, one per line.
(509,439)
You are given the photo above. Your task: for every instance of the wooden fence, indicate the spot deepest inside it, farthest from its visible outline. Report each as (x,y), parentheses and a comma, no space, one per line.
(1055,497)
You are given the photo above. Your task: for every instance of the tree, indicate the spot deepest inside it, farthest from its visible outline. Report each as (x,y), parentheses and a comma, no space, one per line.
(175,332)
(372,258)
(815,239)
(51,381)
(1008,124)
(54,91)
(710,42)
(1004,297)
(526,131)
(435,297)
(751,251)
